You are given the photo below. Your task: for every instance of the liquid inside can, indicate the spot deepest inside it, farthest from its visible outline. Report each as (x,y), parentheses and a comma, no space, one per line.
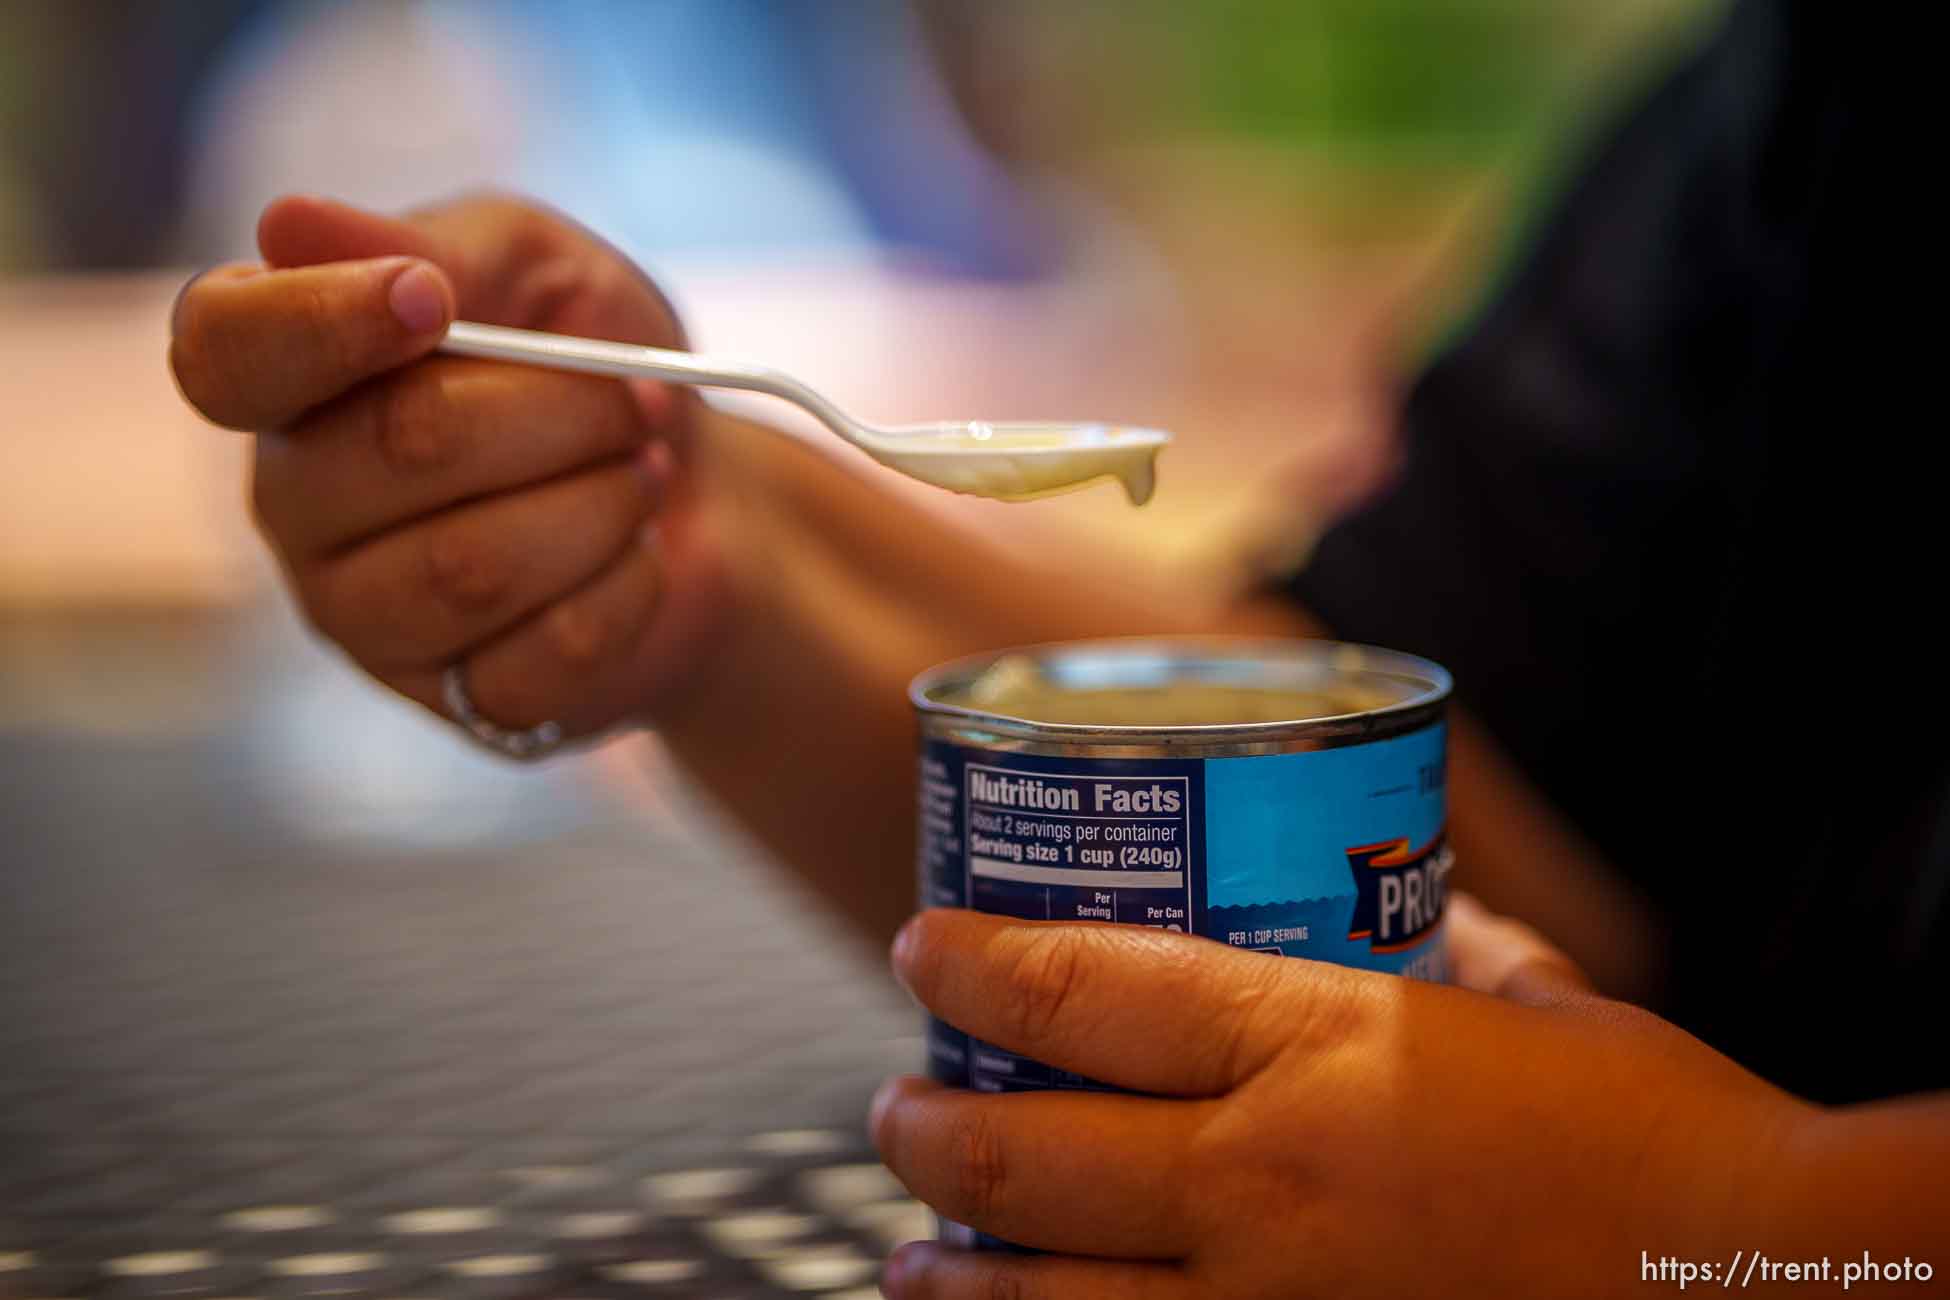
(1281,796)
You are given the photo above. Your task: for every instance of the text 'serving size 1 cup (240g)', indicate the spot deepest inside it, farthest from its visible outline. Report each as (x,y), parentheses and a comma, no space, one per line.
(1281,796)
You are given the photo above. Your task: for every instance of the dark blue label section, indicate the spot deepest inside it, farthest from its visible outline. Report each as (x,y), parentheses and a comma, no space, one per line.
(1399,892)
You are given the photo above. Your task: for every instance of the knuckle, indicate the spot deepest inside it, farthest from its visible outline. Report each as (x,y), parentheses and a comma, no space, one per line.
(549,285)
(518,222)
(602,414)
(413,424)
(463,572)
(609,281)
(1342,1007)
(1212,1150)
(1042,982)
(1239,1029)
(1232,1053)
(316,315)
(1005,1284)
(616,280)
(1229,1143)
(981,1174)
(577,636)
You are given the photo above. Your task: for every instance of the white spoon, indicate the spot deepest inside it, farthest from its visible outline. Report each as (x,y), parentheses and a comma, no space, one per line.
(1012,462)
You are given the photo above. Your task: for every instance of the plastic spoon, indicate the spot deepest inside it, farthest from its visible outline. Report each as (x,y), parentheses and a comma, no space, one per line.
(1012,462)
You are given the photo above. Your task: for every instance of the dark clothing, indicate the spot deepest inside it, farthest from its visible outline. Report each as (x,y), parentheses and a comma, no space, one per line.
(1665,518)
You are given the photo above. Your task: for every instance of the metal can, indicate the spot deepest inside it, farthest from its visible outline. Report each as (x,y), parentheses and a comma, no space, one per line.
(1283,796)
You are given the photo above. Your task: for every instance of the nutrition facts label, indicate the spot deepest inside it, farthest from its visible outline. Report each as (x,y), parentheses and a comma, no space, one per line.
(1062,847)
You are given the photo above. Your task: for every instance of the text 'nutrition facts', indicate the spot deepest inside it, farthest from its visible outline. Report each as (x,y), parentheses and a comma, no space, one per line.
(1055,846)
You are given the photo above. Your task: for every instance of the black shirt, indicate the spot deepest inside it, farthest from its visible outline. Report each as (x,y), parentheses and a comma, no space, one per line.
(1670,517)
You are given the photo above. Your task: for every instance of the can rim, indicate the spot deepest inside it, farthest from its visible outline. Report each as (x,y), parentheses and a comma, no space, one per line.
(1435,680)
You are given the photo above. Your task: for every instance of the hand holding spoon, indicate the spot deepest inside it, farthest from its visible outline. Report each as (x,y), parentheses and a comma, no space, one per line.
(1011,462)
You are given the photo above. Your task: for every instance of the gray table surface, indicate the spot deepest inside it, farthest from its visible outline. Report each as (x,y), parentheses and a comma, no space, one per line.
(270,939)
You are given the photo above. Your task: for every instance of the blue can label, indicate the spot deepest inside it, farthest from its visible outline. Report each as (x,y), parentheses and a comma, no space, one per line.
(1334,854)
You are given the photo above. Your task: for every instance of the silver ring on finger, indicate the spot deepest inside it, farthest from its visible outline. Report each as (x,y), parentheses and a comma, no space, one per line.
(525,744)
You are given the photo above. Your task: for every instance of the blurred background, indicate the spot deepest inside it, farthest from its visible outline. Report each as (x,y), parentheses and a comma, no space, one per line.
(270,938)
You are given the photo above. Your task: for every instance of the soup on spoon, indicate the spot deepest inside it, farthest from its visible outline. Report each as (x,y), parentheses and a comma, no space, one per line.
(1021,461)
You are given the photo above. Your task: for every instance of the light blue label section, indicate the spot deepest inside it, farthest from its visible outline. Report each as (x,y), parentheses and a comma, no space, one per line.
(1278,828)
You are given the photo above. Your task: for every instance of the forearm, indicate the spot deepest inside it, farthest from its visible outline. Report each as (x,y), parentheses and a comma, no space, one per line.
(1824,1201)
(1873,1177)
(1664,1161)
(798,722)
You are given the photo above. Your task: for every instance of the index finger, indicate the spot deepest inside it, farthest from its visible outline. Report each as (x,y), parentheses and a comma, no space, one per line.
(254,348)
(1140,1008)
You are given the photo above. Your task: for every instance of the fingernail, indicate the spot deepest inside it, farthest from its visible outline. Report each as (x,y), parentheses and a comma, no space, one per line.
(883,1097)
(417,300)
(905,1268)
(901,955)
(176,308)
